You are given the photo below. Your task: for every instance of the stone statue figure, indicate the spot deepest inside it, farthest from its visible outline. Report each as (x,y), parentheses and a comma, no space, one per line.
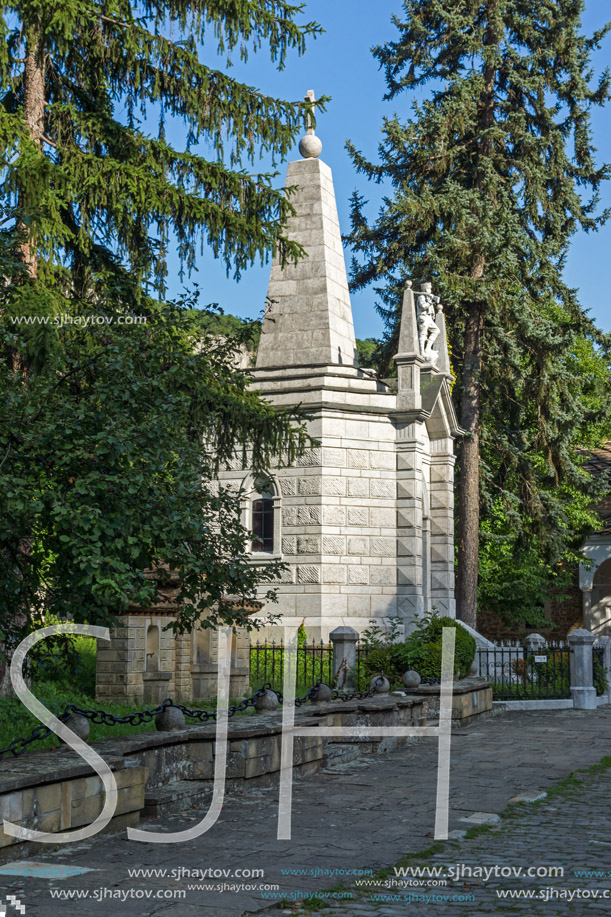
(428,332)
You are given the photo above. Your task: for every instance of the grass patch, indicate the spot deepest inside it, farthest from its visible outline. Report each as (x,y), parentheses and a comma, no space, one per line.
(314,904)
(578,778)
(478,830)
(55,685)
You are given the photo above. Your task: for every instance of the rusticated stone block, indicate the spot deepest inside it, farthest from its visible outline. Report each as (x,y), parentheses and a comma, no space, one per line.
(383,488)
(358,458)
(288,486)
(358,487)
(308,544)
(310,487)
(310,458)
(358,546)
(334,515)
(334,573)
(358,575)
(309,515)
(308,573)
(289,544)
(358,516)
(333,487)
(384,517)
(333,544)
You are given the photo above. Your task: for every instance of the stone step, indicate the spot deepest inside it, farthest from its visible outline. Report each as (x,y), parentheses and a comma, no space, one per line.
(175,797)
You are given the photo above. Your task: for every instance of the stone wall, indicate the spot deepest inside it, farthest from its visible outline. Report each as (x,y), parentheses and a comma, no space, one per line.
(159,772)
(124,671)
(471,700)
(138,667)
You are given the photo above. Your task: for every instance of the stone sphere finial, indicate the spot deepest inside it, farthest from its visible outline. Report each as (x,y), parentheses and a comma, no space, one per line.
(310,146)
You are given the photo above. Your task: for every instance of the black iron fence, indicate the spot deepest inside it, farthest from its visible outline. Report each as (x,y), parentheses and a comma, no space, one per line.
(598,670)
(522,673)
(314,663)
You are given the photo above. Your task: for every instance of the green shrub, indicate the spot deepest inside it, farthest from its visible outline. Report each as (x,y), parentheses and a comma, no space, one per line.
(402,656)
(599,678)
(464,649)
(422,651)
(377,661)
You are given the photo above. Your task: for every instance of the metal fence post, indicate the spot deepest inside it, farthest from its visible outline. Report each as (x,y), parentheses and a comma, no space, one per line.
(344,640)
(583,691)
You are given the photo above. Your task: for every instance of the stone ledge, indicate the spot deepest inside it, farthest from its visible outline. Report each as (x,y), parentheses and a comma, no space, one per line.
(464,686)
(471,699)
(56,791)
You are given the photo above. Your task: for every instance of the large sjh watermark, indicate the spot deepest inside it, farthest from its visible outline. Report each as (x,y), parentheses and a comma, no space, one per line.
(442,732)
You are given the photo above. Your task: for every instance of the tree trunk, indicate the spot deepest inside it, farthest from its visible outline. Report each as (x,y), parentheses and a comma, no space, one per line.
(34,119)
(468,486)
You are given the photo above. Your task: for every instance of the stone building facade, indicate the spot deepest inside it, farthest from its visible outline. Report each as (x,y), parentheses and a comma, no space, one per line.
(365,520)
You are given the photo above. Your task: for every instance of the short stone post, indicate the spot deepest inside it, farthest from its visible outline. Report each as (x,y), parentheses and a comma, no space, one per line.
(605,642)
(583,691)
(344,640)
(534,642)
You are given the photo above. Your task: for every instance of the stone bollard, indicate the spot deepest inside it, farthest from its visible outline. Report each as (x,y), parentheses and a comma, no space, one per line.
(411,679)
(267,702)
(321,694)
(170,719)
(583,691)
(605,642)
(79,725)
(344,640)
(380,684)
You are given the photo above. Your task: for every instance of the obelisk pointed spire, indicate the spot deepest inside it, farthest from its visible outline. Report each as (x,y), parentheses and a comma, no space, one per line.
(308,320)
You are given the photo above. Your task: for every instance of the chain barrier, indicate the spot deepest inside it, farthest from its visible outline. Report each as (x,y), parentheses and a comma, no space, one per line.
(102,718)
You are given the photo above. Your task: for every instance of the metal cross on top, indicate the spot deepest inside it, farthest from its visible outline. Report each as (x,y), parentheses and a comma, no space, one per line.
(310,96)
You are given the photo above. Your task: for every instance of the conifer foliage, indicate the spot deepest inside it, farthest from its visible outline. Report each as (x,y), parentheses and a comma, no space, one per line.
(489,178)
(118,409)
(91,189)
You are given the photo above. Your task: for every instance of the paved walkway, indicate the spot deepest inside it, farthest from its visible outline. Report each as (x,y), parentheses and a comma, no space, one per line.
(366,814)
(549,858)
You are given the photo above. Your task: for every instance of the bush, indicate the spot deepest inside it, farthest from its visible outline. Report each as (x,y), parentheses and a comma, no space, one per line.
(378,661)
(465,647)
(599,677)
(422,651)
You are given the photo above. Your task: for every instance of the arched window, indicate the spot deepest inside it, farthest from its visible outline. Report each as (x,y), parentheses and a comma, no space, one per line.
(262,515)
(263,523)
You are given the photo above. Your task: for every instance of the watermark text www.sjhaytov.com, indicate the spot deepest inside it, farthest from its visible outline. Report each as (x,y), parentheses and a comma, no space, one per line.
(84,321)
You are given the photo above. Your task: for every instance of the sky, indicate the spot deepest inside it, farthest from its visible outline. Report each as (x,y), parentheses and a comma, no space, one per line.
(339,64)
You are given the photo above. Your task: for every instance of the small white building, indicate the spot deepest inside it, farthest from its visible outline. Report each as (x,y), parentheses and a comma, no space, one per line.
(365,521)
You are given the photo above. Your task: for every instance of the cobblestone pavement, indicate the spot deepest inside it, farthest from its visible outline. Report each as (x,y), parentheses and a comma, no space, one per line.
(563,839)
(367,814)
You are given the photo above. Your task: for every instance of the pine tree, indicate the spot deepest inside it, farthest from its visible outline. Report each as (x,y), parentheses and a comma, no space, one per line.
(116,430)
(491,176)
(93,195)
